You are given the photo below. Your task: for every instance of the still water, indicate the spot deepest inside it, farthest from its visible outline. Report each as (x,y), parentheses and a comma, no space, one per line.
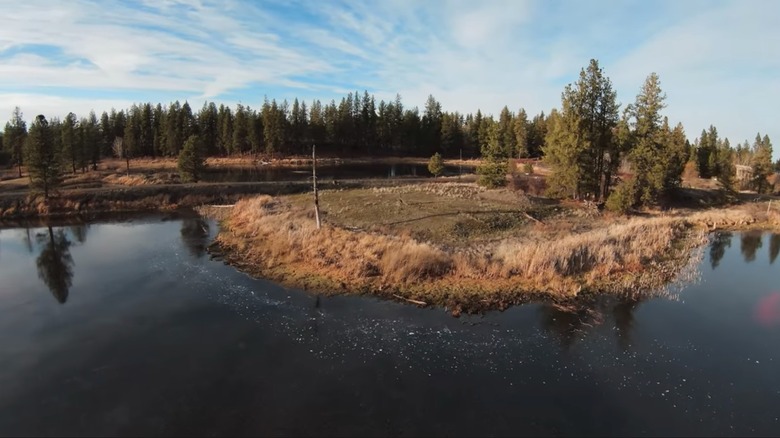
(329,172)
(129,328)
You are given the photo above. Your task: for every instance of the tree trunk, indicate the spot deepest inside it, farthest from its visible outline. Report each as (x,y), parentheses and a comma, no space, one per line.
(314,180)
(20,169)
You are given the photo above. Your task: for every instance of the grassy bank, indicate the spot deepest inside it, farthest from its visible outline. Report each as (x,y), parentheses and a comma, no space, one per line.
(548,251)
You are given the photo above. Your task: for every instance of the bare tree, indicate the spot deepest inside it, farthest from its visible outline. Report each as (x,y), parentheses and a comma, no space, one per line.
(120,151)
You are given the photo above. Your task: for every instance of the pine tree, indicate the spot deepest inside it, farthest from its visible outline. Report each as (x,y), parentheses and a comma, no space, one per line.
(431,125)
(520,128)
(14,138)
(762,163)
(562,153)
(492,172)
(92,139)
(106,135)
(225,123)
(726,169)
(241,131)
(70,150)
(506,132)
(580,146)
(42,157)
(654,163)
(436,165)
(191,160)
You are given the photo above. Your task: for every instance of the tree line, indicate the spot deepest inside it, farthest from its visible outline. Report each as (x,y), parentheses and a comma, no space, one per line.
(585,141)
(355,125)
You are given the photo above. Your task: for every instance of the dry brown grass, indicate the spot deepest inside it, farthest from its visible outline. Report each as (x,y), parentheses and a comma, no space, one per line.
(275,238)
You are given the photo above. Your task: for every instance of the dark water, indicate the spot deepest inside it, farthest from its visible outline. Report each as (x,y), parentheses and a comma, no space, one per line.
(329,172)
(129,328)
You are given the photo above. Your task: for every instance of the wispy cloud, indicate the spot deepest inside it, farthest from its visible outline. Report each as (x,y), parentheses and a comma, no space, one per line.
(717,60)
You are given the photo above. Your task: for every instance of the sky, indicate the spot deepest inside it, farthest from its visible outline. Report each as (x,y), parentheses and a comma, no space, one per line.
(718,61)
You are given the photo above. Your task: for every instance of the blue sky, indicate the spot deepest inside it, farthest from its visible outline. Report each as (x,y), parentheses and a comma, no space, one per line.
(718,61)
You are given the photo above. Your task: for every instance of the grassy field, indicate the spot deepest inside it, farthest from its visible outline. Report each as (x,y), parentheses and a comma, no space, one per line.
(467,248)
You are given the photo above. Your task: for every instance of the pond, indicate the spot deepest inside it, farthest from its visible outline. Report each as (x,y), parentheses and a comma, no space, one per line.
(329,172)
(127,328)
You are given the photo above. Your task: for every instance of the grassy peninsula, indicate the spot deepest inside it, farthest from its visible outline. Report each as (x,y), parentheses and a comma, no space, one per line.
(467,248)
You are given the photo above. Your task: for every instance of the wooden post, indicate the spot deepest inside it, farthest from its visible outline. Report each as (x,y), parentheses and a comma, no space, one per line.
(314,181)
(768,207)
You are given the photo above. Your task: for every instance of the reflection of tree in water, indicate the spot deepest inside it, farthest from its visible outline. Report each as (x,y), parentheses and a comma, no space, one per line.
(79,232)
(623,313)
(194,235)
(718,247)
(27,238)
(749,244)
(774,247)
(571,322)
(55,265)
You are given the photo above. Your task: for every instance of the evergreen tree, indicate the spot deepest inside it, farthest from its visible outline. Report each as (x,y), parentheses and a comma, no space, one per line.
(241,142)
(14,138)
(191,160)
(436,165)
(537,133)
(520,128)
(762,164)
(431,125)
(132,136)
(256,132)
(580,146)
(70,149)
(317,129)
(106,135)
(225,122)
(506,132)
(494,167)
(725,165)
(146,131)
(42,157)
(654,163)
(92,138)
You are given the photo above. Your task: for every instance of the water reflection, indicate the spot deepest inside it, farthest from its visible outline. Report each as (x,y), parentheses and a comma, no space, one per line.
(79,232)
(774,247)
(55,264)
(194,235)
(571,322)
(750,242)
(720,242)
(27,239)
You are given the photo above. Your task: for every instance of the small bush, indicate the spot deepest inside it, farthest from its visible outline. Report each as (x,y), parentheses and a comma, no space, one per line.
(528,168)
(492,174)
(436,164)
(622,198)
(530,185)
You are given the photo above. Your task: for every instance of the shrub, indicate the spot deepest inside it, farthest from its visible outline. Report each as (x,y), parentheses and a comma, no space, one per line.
(191,161)
(622,198)
(531,185)
(436,165)
(492,173)
(528,168)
